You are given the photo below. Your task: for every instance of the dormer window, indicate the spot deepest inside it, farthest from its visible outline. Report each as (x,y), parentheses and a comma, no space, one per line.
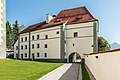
(79,18)
(58,20)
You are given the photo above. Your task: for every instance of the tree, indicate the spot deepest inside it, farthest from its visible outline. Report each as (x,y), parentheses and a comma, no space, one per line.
(21,27)
(12,33)
(15,31)
(103,45)
(8,35)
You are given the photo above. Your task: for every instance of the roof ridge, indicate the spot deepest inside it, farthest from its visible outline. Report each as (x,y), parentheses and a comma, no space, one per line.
(37,23)
(71,16)
(72,8)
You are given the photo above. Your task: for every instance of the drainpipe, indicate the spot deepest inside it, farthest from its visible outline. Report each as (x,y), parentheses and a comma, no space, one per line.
(18,56)
(65,39)
(29,45)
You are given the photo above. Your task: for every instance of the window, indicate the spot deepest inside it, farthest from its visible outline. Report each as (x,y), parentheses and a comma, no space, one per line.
(92,45)
(75,34)
(25,38)
(57,32)
(1,7)
(25,46)
(21,39)
(32,37)
(37,36)
(45,45)
(16,47)
(1,13)
(22,47)
(38,45)
(1,19)
(46,36)
(32,46)
(45,54)
(96,57)
(1,24)
(38,54)
(25,54)
(73,44)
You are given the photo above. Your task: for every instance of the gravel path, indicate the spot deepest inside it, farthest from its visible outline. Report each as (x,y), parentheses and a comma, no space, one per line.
(73,73)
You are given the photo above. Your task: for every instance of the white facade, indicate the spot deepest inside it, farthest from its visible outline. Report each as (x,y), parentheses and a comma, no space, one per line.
(2,29)
(82,44)
(63,36)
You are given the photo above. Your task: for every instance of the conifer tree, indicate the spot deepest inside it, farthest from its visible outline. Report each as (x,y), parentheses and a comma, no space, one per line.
(8,35)
(15,31)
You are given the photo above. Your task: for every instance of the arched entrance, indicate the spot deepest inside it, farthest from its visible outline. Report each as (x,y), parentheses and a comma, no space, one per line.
(74,57)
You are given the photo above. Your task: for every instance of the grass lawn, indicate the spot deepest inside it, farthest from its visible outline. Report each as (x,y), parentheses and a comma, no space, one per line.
(85,75)
(24,70)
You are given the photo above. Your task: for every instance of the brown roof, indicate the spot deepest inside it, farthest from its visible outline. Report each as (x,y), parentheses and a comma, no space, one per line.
(72,16)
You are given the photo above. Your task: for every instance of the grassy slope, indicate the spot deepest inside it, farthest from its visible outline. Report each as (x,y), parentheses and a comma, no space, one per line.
(24,70)
(85,75)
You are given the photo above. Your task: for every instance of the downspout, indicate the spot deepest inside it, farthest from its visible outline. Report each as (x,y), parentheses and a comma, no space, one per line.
(18,47)
(65,40)
(29,45)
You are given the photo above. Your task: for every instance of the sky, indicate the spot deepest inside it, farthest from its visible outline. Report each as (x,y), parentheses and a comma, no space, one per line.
(30,12)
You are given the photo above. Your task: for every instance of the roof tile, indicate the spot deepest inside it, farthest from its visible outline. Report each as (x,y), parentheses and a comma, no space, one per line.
(72,16)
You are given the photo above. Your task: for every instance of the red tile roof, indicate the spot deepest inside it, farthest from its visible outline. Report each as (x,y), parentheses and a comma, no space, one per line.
(72,16)
(33,27)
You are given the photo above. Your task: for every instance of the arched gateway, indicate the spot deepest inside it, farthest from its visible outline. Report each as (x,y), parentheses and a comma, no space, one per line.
(74,57)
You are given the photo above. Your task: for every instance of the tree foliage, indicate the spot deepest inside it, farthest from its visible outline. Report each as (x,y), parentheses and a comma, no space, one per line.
(21,27)
(15,30)
(12,33)
(103,45)
(8,35)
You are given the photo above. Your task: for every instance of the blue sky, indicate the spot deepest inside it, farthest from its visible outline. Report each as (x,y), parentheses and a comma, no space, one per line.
(29,12)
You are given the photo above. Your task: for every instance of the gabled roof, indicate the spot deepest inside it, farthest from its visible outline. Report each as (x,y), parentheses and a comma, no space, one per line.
(72,16)
(33,27)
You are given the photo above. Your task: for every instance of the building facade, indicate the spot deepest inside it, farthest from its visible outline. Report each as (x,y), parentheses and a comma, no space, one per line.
(67,36)
(2,29)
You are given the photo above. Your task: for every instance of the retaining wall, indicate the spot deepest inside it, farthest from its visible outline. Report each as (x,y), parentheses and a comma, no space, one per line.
(104,66)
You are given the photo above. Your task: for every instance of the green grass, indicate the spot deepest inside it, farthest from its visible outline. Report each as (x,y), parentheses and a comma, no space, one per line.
(85,75)
(24,70)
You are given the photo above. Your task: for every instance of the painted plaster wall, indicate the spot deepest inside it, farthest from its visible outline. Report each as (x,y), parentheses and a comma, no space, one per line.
(53,43)
(23,51)
(15,50)
(2,29)
(106,66)
(83,43)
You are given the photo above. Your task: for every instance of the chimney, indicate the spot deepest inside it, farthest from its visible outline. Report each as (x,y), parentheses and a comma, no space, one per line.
(48,18)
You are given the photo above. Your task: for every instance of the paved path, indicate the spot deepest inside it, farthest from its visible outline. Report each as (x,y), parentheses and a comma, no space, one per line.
(73,73)
(69,71)
(57,73)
